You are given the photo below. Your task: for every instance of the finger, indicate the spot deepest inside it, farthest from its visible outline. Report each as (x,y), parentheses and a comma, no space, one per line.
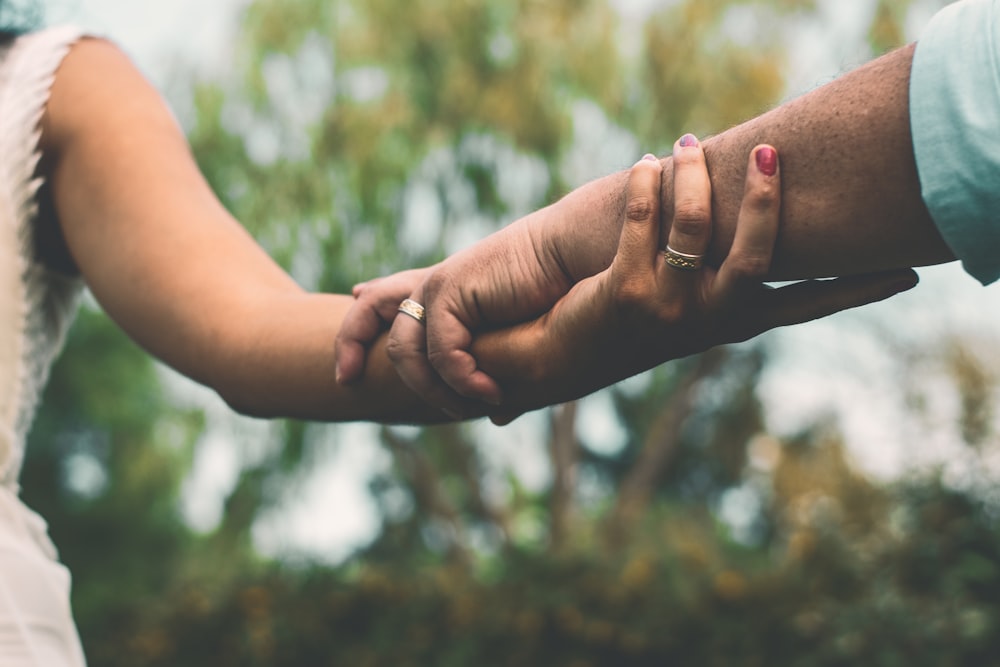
(360,327)
(691,227)
(812,299)
(407,348)
(749,259)
(366,320)
(375,307)
(638,247)
(449,342)
(691,224)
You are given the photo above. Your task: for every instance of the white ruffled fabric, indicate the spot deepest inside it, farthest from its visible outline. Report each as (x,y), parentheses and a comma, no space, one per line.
(36,308)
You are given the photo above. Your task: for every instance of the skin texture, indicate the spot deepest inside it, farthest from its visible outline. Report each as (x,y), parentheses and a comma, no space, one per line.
(851,200)
(651,311)
(851,205)
(639,311)
(130,210)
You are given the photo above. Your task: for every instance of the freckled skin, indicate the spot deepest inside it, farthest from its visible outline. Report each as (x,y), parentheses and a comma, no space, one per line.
(851,193)
(851,197)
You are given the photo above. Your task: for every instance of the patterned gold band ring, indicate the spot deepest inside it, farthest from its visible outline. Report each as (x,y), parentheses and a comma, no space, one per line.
(414,310)
(682,260)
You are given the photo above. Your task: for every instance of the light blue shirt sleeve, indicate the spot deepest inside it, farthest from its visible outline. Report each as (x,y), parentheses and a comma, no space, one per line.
(955,121)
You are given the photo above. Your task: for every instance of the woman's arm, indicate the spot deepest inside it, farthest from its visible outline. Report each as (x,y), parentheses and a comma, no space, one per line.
(176,271)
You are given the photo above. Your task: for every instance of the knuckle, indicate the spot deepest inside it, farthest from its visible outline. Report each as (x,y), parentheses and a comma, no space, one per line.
(671,313)
(763,197)
(438,281)
(690,217)
(642,305)
(397,350)
(639,209)
(392,350)
(750,266)
(631,295)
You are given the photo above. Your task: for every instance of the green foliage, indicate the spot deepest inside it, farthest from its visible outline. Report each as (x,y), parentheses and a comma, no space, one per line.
(105,463)
(924,595)
(355,138)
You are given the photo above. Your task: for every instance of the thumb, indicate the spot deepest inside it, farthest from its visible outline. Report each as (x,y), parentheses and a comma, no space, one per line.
(638,246)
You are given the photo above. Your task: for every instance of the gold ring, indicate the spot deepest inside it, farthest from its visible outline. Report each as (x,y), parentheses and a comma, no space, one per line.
(682,260)
(414,310)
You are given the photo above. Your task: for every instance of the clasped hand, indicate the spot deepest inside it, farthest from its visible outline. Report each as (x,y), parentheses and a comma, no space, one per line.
(562,338)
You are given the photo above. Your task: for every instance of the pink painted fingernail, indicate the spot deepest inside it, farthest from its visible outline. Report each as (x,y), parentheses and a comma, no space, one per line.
(649,157)
(688,140)
(767,160)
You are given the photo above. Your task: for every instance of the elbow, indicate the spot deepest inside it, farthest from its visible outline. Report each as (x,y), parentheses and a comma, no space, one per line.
(247,400)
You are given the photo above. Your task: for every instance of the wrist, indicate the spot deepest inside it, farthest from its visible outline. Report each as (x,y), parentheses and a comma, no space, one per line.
(587,226)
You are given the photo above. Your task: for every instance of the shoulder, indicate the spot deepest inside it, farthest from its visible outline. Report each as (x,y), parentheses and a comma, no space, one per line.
(94,78)
(28,65)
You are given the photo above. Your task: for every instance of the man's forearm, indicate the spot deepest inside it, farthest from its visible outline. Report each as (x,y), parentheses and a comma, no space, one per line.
(851,201)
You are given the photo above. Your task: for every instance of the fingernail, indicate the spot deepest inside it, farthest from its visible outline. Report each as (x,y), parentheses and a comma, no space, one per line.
(688,140)
(649,157)
(338,375)
(767,161)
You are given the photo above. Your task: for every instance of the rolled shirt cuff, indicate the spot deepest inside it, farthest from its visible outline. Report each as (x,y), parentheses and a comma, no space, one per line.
(955,121)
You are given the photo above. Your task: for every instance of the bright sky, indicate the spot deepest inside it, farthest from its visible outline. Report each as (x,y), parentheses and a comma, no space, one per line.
(158,35)
(835,367)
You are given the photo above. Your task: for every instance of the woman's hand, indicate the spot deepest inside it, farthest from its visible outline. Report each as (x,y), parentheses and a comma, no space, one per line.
(645,308)
(376,303)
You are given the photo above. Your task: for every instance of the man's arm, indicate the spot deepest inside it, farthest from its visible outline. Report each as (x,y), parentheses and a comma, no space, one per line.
(851,197)
(851,205)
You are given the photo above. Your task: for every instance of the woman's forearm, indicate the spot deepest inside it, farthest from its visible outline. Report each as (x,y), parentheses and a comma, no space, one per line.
(177,272)
(851,201)
(283,366)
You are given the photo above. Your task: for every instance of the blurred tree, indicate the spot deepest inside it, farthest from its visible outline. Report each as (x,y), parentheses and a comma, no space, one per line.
(105,462)
(358,137)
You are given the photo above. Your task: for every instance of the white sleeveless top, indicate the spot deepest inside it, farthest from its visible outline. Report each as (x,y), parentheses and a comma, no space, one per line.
(36,307)
(36,304)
